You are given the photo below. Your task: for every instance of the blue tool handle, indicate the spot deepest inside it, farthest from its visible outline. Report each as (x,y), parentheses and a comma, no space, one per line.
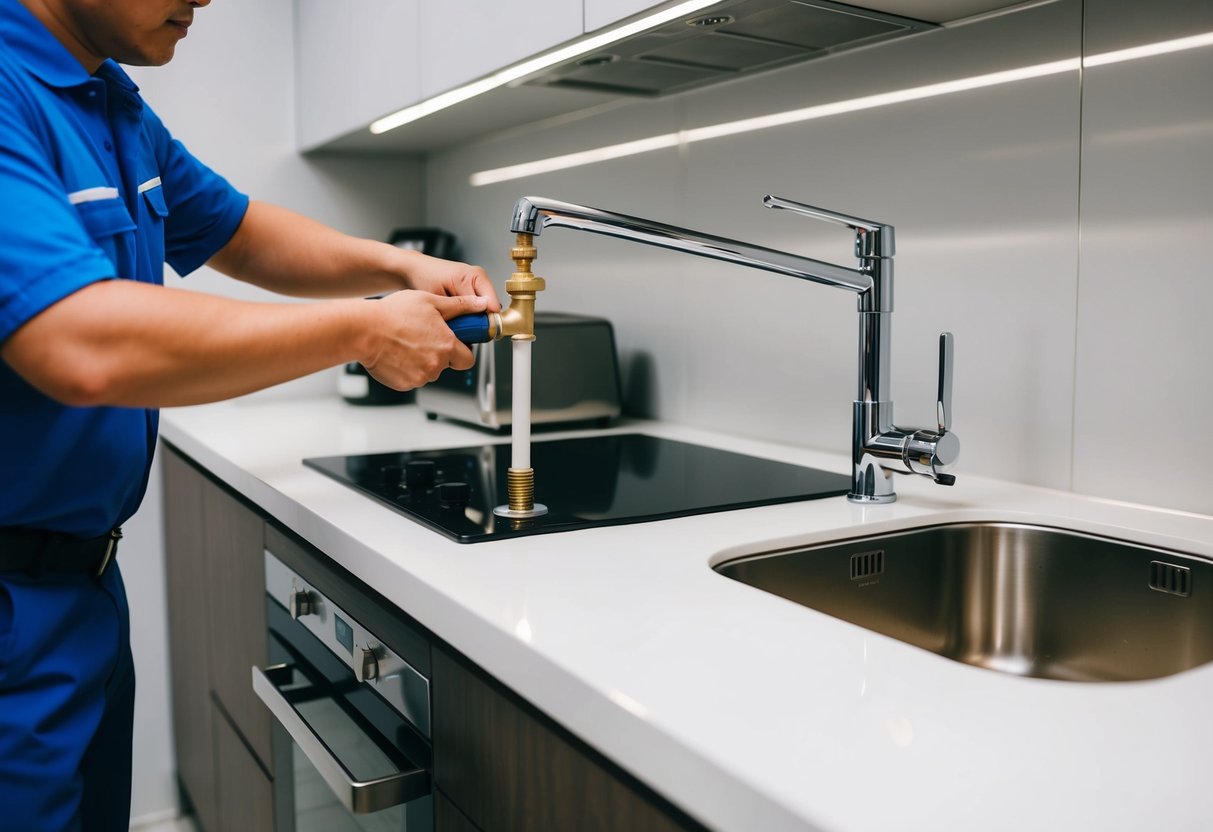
(471,329)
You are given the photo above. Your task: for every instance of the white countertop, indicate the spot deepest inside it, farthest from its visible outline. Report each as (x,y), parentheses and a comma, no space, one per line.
(748,711)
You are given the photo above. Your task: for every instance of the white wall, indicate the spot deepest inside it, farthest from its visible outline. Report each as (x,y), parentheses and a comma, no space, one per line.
(228,95)
(1073,374)
(1144,343)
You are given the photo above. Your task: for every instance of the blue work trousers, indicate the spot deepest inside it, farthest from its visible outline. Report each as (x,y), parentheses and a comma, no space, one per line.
(67,695)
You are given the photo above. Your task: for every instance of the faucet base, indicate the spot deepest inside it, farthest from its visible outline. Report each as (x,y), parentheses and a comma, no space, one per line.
(871,498)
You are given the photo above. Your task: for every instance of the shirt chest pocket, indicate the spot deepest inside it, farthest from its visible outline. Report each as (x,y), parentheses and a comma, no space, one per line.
(155,209)
(108,223)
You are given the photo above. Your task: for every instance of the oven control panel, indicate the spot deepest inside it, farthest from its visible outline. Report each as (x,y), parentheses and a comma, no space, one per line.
(373,662)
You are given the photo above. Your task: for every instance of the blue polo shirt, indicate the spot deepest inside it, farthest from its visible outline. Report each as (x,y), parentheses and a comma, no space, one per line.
(92,187)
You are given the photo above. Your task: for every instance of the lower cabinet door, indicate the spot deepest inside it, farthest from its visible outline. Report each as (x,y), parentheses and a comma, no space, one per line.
(447,818)
(245,791)
(509,769)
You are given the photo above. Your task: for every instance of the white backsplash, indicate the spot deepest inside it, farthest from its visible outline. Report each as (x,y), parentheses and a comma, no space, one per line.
(1065,367)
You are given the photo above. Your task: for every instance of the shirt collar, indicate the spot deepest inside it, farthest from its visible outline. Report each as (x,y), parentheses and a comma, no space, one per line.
(115,76)
(44,56)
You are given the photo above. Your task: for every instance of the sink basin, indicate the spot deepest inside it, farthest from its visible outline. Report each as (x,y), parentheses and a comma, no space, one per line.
(1027,600)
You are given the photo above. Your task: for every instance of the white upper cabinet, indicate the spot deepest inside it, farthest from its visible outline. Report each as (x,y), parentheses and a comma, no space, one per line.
(354,62)
(386,37)
(324,71)
(599,13)
(462,40)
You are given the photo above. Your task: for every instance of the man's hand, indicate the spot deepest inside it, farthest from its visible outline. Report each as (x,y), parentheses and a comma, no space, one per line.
(411,343)
(447,277)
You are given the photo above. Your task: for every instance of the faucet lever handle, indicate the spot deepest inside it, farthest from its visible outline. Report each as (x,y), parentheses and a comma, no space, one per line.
(872,239)
(943,401)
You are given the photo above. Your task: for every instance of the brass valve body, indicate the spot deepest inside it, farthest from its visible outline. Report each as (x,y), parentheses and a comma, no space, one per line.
(518,319)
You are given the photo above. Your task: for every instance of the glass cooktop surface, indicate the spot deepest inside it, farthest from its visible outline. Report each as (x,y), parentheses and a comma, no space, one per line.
(586,482)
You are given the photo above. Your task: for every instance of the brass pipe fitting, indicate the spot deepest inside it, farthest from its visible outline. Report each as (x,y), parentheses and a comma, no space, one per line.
(518,319)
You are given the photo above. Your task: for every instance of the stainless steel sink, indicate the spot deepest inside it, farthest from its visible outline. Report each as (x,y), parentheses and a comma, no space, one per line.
(1027,600)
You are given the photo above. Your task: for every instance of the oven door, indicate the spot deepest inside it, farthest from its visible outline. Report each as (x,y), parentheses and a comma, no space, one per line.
(343,758)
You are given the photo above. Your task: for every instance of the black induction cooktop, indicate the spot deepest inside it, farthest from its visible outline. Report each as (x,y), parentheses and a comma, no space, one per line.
(602,480)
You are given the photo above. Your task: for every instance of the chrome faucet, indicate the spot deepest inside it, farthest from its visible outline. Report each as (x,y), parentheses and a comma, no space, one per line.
(878,447)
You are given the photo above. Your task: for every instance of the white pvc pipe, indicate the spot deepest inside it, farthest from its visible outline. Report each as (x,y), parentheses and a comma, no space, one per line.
(520,448)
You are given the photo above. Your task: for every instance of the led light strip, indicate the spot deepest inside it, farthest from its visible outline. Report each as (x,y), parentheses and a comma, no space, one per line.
(868,102)
(513,73)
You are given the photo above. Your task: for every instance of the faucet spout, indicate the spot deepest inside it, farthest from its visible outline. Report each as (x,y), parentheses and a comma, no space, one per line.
(532,214)
(878,447)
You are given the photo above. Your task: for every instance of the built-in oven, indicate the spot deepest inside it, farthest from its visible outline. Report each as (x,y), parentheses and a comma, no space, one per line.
(348,688)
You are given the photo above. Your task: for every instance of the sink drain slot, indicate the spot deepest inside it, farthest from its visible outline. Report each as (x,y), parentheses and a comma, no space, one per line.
(1167,577)
(867,564)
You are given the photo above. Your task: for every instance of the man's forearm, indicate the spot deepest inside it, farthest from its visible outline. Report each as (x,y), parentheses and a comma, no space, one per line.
(288,253)
(135,345)
(130,344)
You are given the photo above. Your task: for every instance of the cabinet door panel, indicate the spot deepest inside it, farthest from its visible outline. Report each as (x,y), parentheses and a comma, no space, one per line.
(449,819)
(246,793)
(235,566)
(384,55)
(325,75)
(354,62)
(509,771)
(185,573)
(462,40)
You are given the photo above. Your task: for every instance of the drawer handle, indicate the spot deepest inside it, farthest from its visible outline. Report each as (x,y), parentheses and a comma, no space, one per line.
(358,796)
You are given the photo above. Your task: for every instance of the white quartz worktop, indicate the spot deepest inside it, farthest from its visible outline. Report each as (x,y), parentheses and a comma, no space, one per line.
(748,711)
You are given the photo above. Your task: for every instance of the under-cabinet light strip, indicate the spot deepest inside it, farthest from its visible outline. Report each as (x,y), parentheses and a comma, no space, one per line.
(868,102)
(1149,50)
(513,73)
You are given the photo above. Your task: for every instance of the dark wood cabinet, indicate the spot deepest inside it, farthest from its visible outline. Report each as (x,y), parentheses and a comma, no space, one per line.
(235,564)
(245,791)
(186,577)
(508,768)
(216,610)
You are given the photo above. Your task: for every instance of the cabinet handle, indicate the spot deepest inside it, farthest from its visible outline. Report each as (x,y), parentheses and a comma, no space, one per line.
(359,796)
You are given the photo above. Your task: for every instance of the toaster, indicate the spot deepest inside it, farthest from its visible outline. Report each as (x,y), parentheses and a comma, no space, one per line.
(574,377)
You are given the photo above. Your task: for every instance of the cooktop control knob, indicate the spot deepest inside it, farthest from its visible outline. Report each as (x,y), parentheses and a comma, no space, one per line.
(454,494)
(419,473)
(367,665)
(300,603)
(390,474)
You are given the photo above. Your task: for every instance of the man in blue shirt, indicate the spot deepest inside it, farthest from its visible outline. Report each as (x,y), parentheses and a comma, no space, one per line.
(95,196)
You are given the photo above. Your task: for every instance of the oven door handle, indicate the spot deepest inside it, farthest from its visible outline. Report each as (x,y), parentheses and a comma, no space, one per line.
(358,796)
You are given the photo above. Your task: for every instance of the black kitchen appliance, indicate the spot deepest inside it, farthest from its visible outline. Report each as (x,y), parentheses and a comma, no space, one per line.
(356,385)
(602,480)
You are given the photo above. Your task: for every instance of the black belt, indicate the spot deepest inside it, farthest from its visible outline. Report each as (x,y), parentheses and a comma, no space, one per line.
(35,552)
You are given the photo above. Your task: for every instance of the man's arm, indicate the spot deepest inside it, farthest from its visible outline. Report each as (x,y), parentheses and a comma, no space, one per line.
(118,342)
(287,253)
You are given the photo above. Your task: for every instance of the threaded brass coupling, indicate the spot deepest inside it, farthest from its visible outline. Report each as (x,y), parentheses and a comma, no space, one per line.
(520,490)
(520,485)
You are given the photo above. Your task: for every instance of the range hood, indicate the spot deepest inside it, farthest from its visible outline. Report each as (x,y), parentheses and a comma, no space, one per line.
(726,41)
